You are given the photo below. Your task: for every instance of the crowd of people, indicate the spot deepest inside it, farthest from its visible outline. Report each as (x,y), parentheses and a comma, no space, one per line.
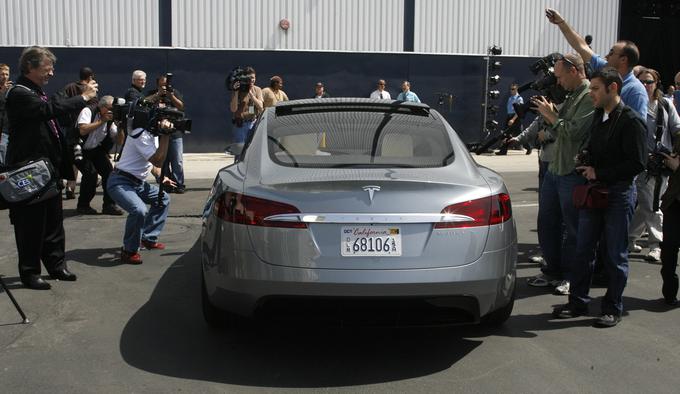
(607,172)
(597,189)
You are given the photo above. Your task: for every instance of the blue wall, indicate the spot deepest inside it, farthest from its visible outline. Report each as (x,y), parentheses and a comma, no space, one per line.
(200,75)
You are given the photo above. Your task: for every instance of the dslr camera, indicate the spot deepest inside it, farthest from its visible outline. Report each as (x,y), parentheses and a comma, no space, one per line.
(655,164)
(239,75)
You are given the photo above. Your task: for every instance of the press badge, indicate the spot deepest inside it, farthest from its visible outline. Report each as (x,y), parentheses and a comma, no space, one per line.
(251,109)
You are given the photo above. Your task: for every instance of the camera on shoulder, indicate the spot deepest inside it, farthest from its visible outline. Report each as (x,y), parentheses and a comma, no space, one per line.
(238,80)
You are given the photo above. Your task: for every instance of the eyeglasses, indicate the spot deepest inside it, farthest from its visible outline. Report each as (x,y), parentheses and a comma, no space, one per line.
(381,84)
(648,81)
(564,59)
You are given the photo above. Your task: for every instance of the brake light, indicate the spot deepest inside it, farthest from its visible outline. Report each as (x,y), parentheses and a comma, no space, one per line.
(485,211)
(242,209)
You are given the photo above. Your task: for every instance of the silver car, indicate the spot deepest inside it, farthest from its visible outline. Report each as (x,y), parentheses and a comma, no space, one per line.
(371,202)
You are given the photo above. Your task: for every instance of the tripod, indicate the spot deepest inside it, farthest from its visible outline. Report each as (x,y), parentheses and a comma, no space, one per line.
(16,305)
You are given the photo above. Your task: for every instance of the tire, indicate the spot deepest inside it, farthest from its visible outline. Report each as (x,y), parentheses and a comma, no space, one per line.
(216,317)
(500,316)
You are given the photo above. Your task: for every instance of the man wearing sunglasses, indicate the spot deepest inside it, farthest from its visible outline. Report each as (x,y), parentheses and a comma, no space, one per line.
(623,56)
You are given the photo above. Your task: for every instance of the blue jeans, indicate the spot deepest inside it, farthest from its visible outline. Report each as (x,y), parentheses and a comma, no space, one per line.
(557,223)
(174,165)
(142,223)
(611,226)
(240,134)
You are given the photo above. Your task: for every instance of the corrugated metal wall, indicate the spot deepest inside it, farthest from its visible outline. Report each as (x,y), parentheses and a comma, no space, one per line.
(346,25)
(518,26)
(132,23)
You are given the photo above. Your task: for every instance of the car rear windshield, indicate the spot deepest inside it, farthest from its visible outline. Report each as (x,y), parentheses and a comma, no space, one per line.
(347,138)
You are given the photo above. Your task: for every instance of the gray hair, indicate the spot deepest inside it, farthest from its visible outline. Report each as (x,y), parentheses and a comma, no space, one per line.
(106,100)
(138,74)
(33,57)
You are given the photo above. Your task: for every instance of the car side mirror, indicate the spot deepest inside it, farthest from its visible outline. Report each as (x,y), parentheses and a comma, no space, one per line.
(235,149)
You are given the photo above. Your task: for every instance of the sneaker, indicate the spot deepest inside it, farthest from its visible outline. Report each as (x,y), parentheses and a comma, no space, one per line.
(606,321)
(536,259)
(153,245)
(88,210)
(180,189)
(567,311)
(634,248)
(654,255)
(562,288)
(130,257)
(69,194)
(112,210)
(542,280)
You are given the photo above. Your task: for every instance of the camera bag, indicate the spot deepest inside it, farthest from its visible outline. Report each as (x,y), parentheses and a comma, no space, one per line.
(27,183)
(590,196)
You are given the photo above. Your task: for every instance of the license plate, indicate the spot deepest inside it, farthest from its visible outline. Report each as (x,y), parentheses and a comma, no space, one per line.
(370,241)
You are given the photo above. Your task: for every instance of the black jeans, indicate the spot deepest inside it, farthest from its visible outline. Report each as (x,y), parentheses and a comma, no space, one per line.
(669,251)
(95,162)
(39,233)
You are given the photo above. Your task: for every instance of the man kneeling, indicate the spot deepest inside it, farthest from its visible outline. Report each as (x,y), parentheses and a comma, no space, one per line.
(142,154)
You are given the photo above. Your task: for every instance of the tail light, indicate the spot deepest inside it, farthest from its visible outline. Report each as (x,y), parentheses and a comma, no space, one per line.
(482,212)
(242,209)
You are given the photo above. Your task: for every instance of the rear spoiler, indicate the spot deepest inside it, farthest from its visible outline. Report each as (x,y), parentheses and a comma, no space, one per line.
(343,105)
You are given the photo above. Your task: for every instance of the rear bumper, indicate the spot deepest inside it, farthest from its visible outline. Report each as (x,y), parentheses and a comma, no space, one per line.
(246,286)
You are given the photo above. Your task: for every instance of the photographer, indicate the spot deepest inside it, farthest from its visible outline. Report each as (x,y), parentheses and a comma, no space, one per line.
(39,227)
(617,153)
(557,214)
(662,124)
(166,95)
(670,206)
(98,131)
(623,56)
(5,85)
(143,153)
(246,105)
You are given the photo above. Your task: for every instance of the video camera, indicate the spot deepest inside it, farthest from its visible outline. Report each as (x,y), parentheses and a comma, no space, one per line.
(545,83)
(147,115)
(239,75)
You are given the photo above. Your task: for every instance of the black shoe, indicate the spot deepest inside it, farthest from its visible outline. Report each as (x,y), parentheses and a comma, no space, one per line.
(501,153)
(35,282)
(180,189)
(112,210)
(567,311)
(671,301)
(69,194)
(607,321)
(63,274)
(88,210)
(528,152)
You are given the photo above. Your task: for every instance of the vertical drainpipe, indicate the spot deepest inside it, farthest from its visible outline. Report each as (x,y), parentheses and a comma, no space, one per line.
(409,24)
(165,23)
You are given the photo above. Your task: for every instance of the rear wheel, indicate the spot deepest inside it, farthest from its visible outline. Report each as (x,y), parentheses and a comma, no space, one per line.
(216,317)
(500,316)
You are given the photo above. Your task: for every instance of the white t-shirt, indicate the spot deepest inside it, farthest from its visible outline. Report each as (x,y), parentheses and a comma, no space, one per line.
(136,153)
(97,135)
(385,93)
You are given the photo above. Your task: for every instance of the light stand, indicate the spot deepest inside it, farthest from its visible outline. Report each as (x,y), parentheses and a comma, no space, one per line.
(489,80)
(14,301)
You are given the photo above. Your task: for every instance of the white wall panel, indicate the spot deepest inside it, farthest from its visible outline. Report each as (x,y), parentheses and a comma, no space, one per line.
(347,25)
(518,26)
(79,23)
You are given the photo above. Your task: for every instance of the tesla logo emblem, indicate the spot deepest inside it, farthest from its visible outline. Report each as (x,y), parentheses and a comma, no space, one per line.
(371,190)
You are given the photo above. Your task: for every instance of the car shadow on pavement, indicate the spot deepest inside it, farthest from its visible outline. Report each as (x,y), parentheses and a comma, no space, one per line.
(168,336)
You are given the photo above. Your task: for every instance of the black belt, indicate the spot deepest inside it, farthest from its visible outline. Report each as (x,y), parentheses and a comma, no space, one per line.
(127,175)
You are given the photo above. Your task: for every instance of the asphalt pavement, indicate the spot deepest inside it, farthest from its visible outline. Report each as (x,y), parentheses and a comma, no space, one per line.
(123,328)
